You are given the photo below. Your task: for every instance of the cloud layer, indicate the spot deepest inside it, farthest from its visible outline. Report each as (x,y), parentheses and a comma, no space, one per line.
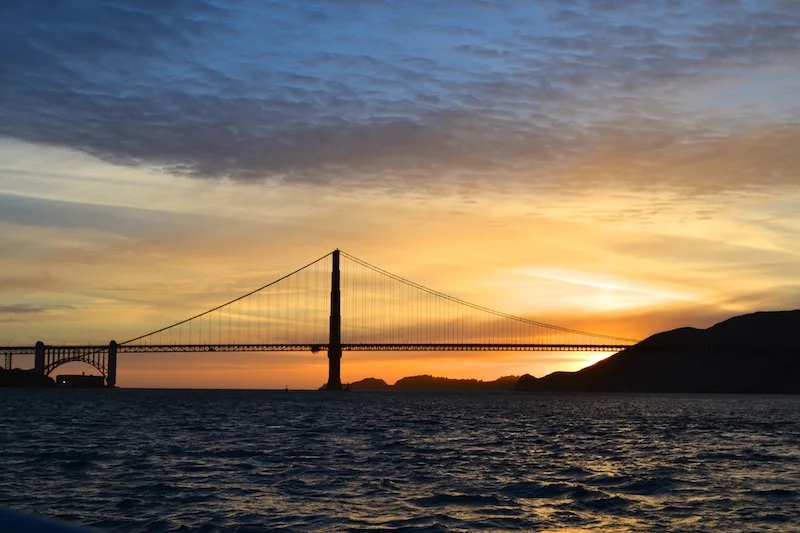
(357,93)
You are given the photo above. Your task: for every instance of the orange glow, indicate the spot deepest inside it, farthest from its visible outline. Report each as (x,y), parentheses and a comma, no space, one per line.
(608,261)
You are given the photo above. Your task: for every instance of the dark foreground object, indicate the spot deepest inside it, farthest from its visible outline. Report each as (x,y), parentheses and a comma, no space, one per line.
(13,522)
(757,353)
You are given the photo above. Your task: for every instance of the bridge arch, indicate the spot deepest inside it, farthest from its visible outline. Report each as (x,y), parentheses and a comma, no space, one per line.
(98,365)
(48,358)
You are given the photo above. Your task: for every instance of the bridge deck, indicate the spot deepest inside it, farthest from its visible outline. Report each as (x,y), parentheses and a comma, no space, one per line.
(355,347)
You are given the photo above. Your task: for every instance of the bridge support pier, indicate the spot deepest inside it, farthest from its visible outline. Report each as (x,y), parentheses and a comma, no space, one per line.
(38,359)
(9,363)
(111,368)
(335,332)
(334,369)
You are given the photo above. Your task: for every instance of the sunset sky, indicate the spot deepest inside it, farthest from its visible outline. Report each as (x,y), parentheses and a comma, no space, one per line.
(622,167)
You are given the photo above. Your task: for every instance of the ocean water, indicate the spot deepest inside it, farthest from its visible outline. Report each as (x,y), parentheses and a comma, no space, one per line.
(251,461)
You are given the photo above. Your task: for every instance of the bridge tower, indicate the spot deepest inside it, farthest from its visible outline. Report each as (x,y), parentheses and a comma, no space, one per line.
(38,359)
(335,332)
(111,365)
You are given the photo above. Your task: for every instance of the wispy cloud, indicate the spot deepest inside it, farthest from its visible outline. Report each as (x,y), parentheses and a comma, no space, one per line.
(27,309)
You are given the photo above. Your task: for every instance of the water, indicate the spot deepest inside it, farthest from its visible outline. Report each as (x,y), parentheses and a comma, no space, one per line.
(249,461)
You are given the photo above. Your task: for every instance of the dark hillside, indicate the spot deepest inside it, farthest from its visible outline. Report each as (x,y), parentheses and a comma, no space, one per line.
(757,353)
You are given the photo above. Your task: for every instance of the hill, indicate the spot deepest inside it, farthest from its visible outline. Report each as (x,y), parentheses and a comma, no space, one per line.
(431,383)
(370,384)
(756,353)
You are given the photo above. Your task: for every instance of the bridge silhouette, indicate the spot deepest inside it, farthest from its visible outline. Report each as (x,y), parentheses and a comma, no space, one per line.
(335,304)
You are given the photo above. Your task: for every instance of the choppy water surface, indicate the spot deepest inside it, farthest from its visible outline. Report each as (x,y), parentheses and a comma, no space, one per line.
(136,460)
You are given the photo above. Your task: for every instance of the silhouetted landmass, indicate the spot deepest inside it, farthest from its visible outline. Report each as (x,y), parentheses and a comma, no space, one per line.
(23,378)
(756,353)
(80,381)
(436,383)
(370,384)
(431,383)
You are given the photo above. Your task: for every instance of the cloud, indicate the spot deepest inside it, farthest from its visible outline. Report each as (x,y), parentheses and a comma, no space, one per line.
(334,93)
(29,309)
(124,222)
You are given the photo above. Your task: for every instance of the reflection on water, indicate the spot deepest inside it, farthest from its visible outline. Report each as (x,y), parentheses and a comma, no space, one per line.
(129,460)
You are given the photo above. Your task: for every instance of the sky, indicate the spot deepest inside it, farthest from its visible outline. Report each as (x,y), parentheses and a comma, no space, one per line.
(622,167)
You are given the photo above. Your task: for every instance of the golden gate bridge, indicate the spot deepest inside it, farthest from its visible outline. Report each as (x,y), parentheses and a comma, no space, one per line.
(335,304)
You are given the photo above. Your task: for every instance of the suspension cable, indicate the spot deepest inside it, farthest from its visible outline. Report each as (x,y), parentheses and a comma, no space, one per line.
(230,302)
(453,299)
